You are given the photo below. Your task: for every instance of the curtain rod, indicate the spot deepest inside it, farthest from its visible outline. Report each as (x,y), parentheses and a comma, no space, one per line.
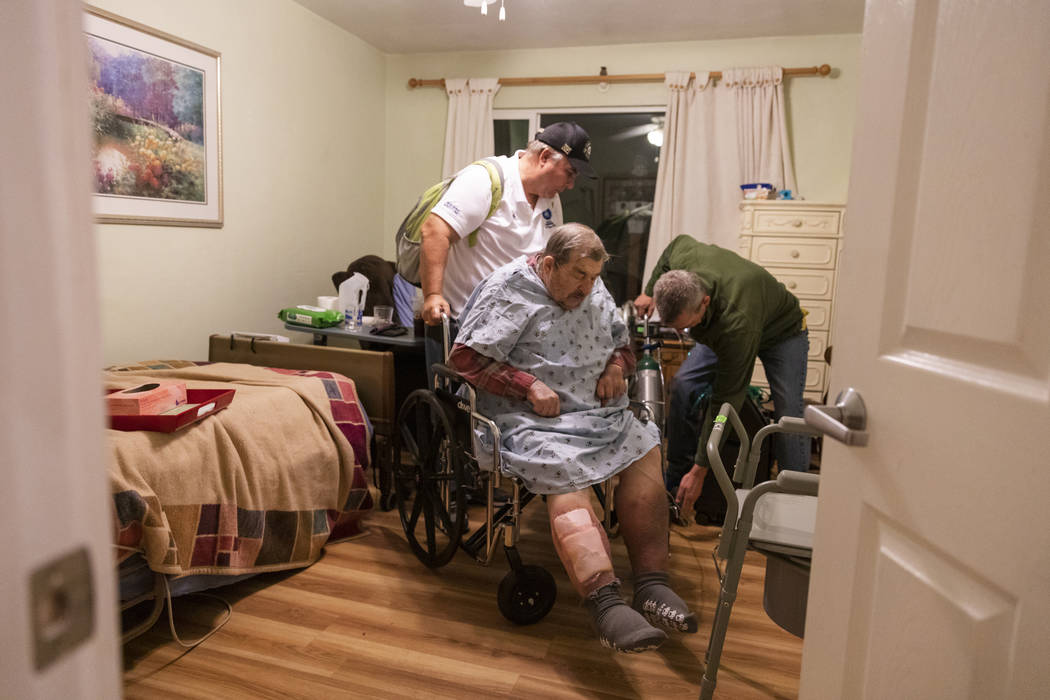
(589,79)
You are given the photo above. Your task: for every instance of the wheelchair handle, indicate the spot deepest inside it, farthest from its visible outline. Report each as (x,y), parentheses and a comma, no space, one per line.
(445,334)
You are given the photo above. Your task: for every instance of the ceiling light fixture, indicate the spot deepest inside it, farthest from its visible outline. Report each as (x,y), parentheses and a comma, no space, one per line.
(603,86)
(483,4)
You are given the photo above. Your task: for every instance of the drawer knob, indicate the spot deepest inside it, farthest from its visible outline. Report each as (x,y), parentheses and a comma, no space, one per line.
(797,223)
(794,253)
(792,284)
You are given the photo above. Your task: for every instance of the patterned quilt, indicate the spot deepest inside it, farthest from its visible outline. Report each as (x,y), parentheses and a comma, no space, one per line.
(259,486)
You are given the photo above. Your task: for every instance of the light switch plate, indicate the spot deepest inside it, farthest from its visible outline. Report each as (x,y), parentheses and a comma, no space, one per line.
(63,606)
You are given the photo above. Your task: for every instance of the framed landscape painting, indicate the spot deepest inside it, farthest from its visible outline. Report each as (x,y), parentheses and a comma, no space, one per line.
(157,151)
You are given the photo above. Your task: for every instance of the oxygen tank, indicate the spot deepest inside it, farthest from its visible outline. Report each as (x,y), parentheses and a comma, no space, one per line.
(648,392)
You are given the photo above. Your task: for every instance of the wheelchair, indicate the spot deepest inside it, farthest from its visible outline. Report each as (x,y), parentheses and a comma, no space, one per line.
(438,462)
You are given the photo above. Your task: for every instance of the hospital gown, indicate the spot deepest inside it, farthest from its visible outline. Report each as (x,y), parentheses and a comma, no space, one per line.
(512,319)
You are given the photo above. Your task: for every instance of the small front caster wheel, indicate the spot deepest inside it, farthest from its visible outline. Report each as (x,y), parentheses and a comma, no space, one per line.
(527,594)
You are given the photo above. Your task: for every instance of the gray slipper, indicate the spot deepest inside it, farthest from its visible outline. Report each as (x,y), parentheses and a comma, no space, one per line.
(661,606)
(619,627)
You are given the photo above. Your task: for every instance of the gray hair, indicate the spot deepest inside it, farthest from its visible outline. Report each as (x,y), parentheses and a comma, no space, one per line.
(678,292)
(537,147)
(568,239)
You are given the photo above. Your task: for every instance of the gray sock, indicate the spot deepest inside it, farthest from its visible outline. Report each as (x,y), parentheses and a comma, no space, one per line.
(654,599)
(618,626)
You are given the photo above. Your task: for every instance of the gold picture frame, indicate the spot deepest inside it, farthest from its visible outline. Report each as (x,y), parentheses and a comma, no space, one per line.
(157,125)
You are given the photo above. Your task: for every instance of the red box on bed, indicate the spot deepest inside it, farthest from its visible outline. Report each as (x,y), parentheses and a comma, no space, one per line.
(200,403)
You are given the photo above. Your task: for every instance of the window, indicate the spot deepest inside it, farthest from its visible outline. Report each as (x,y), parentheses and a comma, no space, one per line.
(618,205)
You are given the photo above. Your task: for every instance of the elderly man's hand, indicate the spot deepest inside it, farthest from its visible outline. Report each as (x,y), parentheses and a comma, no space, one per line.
(611,385)
(543,399)
(433,306)
(643,305)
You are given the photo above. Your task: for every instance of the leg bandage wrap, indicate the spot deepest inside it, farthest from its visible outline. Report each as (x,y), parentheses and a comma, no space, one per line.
(654,599)
(618,626)
(583,546)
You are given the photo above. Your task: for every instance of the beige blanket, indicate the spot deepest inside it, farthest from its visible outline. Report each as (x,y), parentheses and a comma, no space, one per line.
(259,486)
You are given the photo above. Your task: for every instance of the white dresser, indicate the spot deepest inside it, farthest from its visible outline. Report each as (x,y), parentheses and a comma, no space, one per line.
(799,243)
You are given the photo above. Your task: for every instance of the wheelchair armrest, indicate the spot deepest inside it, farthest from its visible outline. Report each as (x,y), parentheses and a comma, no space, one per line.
(447,372)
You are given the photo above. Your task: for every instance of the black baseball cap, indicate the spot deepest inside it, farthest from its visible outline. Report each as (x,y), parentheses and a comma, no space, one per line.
(571,140)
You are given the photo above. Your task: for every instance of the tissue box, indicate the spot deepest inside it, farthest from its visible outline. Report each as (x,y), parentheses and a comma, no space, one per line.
(151,398)
(201,403)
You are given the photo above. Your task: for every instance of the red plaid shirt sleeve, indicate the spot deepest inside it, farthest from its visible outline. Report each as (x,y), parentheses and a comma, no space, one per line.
(485,373)
(623,357)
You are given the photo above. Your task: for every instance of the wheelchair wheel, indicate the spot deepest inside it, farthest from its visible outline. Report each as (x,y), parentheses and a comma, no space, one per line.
(428,479)
(527,594)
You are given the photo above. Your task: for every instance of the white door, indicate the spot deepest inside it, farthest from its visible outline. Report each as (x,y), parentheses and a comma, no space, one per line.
(932,554)
(58,625)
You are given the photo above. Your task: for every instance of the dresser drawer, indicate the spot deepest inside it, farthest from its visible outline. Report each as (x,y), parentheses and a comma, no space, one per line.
(815,372)
(806,284)
(819,318)
(794,252)
(806,223)
(818,343)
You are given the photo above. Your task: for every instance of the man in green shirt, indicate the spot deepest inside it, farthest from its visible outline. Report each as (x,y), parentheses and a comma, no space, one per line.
(736,311)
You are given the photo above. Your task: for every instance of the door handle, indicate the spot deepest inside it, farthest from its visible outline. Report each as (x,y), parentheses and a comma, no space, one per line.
(845,421)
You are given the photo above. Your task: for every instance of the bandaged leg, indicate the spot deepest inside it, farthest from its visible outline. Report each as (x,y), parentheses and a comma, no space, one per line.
(661,606)
(584,551)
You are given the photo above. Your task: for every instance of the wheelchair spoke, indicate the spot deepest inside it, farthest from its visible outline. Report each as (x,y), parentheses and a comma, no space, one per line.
(417,507)
(438,507)
(428,478)
(428,518)
(409,442)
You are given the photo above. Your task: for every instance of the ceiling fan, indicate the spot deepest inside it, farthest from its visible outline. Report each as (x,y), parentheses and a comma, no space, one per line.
(654,131)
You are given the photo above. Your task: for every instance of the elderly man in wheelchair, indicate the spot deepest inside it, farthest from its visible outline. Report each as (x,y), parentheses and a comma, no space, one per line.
(543,342)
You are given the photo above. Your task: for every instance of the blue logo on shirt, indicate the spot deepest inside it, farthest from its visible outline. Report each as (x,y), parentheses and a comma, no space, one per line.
(547,214)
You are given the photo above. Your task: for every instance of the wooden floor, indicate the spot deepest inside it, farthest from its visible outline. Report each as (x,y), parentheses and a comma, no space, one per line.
(368,620)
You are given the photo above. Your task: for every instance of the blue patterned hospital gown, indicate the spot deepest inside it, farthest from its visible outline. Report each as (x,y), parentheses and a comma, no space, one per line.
(514,320)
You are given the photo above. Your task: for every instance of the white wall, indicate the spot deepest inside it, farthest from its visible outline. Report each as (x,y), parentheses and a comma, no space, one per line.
(820,110)
(303,153)
(325,148)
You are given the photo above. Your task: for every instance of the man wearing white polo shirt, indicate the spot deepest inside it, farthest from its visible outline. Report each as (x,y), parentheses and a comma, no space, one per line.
(451,265)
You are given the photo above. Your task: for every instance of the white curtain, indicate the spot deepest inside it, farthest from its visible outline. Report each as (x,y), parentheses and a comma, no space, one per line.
(698,180)
(762,138)
(468,132)
(717,137)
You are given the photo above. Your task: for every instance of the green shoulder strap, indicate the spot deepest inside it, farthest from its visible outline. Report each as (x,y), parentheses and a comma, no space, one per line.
(496,177)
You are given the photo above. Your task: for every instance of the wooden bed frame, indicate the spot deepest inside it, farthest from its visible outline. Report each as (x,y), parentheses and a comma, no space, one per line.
(372,372)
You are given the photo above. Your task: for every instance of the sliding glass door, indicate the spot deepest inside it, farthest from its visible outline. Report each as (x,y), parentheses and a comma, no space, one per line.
(618,205)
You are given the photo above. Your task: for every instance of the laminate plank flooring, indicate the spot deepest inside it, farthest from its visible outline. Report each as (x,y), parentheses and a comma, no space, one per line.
(369,621)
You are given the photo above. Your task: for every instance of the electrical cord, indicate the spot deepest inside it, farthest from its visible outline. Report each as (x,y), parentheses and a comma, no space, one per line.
(166,601)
